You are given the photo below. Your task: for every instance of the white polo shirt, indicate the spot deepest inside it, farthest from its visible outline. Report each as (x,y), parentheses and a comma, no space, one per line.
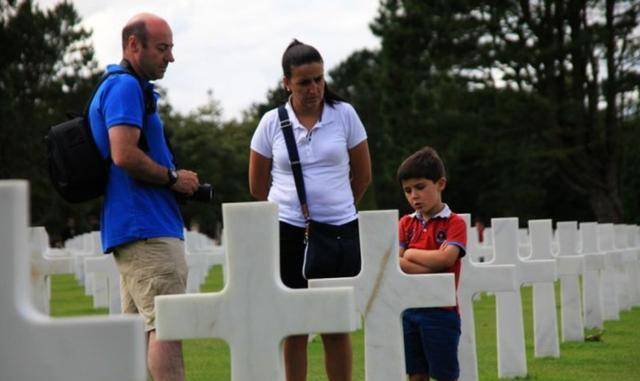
(324,157)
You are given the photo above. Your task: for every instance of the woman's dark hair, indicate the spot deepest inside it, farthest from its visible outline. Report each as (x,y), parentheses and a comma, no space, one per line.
(425,163)
(298,54)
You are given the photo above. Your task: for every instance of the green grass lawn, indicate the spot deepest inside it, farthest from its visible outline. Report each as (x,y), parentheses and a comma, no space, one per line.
(615,357)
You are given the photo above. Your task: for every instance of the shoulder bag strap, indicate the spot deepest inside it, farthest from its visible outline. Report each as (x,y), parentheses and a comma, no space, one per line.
(294,160)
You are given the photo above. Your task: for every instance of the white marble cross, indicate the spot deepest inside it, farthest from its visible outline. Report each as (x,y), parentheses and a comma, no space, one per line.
(105,266)
(198,269)
(613,260)
(201,255)
(34,346)
(80,247)
(625,273)
(540,271)
(570,267)
(634,267)
(42,266)
(255,311)
(592,276)
(475,278)
(383,292)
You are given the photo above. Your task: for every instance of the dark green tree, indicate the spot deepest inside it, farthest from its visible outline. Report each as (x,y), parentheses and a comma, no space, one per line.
(579,58)
(47,69)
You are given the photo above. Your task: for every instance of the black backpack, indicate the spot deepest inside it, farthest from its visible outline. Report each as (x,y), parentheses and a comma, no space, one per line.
(77,169)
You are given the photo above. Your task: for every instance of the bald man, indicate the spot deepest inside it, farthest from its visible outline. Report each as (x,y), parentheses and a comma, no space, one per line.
(141,222)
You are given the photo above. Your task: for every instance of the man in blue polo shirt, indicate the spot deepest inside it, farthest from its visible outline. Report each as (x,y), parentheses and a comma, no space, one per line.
(141,222)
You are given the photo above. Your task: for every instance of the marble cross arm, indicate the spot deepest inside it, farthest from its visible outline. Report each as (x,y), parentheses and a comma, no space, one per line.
(104,264)
(594,261)
(537,271)
(488,278)
(614,258)
(570,265)
(359,291)
(411,291)
(317,305)
(86,339)
(51,266)
(629,256)
(191,316)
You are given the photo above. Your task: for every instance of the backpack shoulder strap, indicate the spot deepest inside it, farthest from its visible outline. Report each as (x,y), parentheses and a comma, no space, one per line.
(142,142)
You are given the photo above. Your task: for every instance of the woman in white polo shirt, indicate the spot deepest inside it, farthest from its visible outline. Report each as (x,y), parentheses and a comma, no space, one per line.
(333,150)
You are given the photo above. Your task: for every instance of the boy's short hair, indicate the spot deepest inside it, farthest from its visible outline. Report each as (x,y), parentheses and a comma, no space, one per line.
(424,163)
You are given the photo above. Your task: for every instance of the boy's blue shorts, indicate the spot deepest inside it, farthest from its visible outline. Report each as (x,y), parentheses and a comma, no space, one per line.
(431,337)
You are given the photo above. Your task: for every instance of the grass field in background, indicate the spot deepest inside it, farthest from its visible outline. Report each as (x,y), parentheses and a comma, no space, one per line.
(615,358)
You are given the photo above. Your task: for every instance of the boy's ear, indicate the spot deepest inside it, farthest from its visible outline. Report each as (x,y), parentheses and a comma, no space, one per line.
(441,183)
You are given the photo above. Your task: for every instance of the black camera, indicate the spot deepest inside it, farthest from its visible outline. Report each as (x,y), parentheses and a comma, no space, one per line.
(204,193)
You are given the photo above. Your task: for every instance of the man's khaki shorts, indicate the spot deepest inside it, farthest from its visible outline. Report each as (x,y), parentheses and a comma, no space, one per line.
(150,267)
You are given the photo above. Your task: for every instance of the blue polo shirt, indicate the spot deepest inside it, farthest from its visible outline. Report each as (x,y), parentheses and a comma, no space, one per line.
(132,210)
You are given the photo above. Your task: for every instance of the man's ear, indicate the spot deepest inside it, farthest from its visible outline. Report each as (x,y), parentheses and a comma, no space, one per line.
(133,44)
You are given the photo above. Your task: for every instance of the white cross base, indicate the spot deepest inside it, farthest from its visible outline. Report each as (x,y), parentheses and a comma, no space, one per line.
(383,292)
(475,278)
(255,311)
(36,347)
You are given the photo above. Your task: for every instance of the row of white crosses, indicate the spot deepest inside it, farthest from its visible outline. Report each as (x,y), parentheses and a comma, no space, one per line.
(44,262)
(201,254)
(95,284)
(99,273)
(381,293)
(255,311)
(539,262)
(34,346)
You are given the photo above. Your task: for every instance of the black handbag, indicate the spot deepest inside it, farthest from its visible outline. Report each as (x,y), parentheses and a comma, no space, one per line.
(331,251)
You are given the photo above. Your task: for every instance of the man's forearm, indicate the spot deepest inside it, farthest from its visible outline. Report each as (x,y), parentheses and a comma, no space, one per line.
(141,167)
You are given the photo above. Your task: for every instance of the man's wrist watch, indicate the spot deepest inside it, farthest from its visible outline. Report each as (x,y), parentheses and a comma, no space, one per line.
(173,177)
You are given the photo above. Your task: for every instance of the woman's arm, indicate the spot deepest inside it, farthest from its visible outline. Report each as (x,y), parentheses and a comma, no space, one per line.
(259,176)
(360,162)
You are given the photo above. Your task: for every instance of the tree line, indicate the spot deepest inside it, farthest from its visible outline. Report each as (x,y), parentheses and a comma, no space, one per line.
(533,105)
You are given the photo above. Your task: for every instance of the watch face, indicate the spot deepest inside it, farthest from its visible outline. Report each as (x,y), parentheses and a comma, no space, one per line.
(173,176)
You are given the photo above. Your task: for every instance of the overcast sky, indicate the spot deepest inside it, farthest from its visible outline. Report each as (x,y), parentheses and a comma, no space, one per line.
(232,47)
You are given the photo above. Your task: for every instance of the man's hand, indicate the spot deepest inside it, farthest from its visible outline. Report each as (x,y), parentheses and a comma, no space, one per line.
(187,182)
